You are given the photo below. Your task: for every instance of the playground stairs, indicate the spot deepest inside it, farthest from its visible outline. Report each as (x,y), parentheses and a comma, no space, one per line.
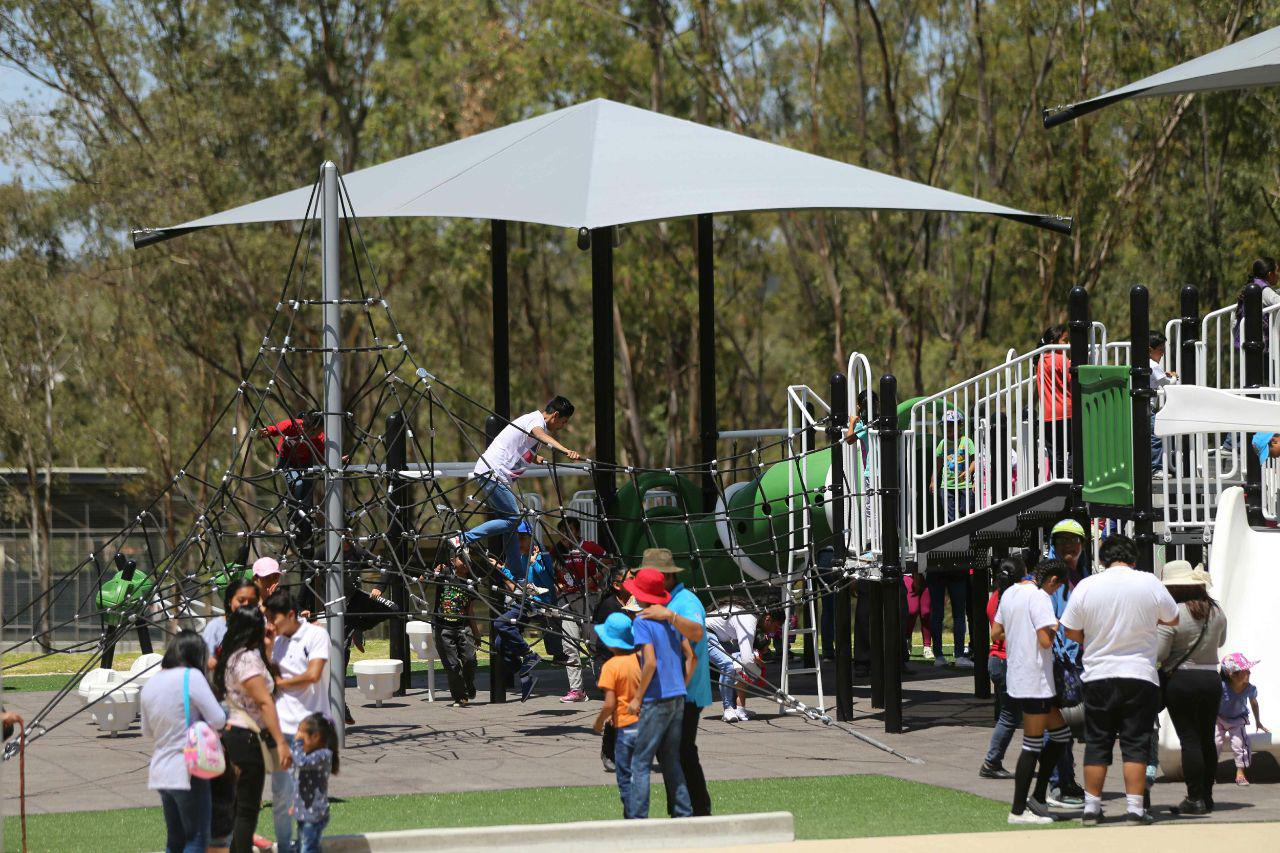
(1012,524)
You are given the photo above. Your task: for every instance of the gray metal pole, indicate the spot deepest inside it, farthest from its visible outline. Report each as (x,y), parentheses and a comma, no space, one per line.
(335,518)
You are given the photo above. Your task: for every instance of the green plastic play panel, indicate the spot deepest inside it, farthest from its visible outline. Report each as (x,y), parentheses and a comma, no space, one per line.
(1107,415)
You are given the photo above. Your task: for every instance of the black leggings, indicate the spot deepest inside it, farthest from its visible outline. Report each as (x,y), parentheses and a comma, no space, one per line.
(244,752)
(1192,699)
(692,766)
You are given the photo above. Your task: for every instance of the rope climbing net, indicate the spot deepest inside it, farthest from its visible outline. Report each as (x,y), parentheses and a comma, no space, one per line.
(750,530)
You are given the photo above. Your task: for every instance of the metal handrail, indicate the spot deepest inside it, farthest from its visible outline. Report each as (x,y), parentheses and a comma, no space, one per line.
(1000,413)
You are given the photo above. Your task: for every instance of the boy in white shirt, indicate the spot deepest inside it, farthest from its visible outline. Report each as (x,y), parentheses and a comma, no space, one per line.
(301,653)
(504,460)
(1114,615)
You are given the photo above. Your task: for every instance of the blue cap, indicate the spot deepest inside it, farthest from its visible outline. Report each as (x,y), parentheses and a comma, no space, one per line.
(524,528)
(616,632)
(1261,440)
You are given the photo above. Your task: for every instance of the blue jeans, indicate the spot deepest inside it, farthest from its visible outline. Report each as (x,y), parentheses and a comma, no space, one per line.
(502,501)
(187,815)
(723,664)
(511,641)
(623,746)
(1008,714)
(281,805)
(959,503)
(309,836)
(957,587)
(660,726)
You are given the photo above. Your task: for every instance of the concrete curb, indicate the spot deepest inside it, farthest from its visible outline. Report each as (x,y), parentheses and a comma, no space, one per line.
(585,836)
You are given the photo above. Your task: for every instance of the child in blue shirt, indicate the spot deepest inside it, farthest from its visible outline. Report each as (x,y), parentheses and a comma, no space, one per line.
(667,664)
(315,756)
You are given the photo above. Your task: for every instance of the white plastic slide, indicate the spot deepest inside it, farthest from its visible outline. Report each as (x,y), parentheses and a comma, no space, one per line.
(1246,582)
(1191,409)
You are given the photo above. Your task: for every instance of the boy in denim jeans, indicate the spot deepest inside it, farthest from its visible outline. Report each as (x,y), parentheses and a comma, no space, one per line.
(667,664)
(620,681)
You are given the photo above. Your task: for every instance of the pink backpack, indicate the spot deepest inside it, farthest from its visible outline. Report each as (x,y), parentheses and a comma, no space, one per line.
(203,752)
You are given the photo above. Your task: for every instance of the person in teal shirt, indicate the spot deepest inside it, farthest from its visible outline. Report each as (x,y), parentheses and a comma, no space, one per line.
(689,617)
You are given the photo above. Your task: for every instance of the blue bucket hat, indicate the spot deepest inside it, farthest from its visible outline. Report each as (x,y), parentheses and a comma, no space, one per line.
(1261,440)
(616,632)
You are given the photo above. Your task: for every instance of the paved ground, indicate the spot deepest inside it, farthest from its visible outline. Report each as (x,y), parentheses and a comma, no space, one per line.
(412,746)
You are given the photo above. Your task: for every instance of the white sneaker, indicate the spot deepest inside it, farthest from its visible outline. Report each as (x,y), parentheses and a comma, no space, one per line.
(1028,817)
(744,715)
(730,715)
(927,654)
(964,663)
(940,661)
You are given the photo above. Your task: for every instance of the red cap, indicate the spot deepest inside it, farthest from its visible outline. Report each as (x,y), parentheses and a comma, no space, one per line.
(648,587)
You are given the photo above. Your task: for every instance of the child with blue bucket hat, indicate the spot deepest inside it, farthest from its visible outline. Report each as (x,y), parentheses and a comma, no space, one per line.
(620,682)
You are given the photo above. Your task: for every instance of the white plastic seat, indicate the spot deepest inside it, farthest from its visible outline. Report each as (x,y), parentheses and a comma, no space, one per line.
(378,679)
(422,640)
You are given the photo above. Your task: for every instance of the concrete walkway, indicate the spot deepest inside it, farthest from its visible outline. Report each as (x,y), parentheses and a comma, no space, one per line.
(412,746)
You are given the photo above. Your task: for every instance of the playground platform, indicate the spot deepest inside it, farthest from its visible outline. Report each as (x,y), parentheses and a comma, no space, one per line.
(412,746)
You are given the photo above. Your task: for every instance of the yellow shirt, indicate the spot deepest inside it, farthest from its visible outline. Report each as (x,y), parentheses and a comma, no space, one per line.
(621,674)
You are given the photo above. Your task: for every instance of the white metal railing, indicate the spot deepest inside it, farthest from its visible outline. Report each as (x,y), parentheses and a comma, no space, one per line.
(862,455)
(1196,469)
(987,440)
(584,507)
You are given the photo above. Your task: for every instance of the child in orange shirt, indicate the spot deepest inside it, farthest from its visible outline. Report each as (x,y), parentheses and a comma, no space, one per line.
(620,681)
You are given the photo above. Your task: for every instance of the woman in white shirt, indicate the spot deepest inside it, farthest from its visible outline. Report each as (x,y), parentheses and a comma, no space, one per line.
(1026,623)
(731,645)
(186,800)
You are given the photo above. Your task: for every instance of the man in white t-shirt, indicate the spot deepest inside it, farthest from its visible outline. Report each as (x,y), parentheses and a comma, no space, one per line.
(1114,615)
(504,460)
(301,653)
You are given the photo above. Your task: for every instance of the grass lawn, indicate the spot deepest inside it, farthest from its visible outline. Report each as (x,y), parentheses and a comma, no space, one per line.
(824,807)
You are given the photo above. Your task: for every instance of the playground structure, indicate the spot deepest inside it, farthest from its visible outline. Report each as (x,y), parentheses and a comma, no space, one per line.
(742,526)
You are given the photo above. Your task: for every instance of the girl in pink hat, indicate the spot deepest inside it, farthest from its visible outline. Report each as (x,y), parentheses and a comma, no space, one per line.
(1233,716)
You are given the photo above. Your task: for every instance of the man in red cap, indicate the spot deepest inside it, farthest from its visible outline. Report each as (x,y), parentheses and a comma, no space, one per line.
(667,664)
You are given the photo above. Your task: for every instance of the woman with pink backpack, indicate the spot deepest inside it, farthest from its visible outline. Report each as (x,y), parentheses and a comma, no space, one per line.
(180,712)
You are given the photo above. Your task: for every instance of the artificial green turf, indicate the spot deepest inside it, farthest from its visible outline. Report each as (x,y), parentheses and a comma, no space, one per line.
(824,807)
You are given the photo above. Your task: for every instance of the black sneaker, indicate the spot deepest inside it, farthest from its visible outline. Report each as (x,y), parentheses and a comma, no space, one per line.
(527,684)
(1091,817)
(527,665)
(1208,804)
(609,766)
(1038,808)
(1189,806)
(994,771)
(1144,819)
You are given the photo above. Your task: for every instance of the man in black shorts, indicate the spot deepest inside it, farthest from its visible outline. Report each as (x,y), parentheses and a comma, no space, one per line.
(1113,614)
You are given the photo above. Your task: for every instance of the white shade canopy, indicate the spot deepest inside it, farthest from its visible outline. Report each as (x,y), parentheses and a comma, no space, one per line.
(1255,61)
(602,163)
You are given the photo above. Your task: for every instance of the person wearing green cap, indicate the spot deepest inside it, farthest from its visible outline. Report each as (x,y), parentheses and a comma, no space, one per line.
(1067,541)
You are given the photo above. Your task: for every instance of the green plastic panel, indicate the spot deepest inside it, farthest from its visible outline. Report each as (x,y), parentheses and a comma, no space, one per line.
(1108,434)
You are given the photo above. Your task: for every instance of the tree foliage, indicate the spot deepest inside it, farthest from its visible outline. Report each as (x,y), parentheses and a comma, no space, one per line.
(154,113)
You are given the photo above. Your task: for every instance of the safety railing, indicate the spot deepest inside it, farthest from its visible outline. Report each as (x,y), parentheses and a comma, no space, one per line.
(862,461)
(807,415)
(988,440)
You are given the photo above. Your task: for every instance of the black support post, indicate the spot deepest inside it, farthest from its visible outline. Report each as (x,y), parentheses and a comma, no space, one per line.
(501,318)
(843,600)
(1078,326)
(875,592)
(890,541)
(602,353)
(497,666)
(397,459)
(708,413)
(979,629)
(1254,375)
(1189,332)
(1140,395)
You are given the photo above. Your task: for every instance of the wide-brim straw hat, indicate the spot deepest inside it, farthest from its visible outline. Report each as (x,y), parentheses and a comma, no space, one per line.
(660,559)
(1180,573)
